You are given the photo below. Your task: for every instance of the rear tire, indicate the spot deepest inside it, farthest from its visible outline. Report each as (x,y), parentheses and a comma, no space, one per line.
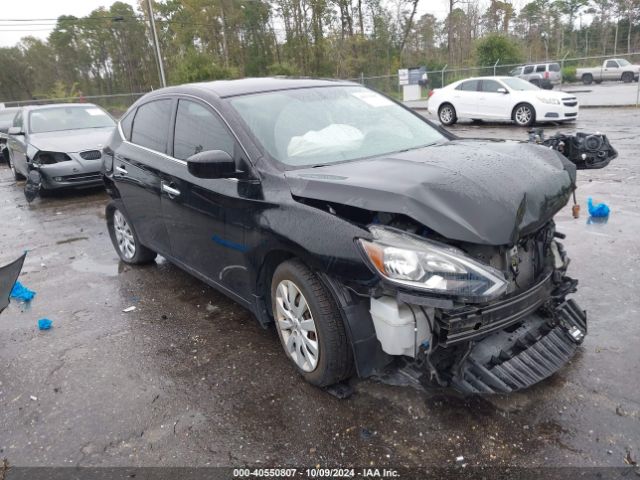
(587,79)
(447,114)
(307,320)
(125,239)
(627,77)
(524,115)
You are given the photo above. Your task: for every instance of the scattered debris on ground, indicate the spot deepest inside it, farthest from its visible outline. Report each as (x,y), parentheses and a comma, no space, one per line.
(44,324)
(129,309)
(20,292)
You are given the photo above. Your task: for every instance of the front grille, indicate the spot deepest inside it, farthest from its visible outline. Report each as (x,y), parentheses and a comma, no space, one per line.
(570,102)
(91,155)
(520,359)
(84,177)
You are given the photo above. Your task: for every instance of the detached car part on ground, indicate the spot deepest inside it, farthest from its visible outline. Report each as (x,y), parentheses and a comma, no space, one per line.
(8,276)
(586,150)
(368,235)
(61,142)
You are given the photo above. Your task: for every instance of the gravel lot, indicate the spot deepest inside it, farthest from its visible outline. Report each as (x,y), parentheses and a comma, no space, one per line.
(189,378)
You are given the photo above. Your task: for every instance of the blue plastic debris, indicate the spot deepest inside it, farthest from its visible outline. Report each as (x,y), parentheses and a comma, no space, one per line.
(20,292)
(44,324)
(599,210)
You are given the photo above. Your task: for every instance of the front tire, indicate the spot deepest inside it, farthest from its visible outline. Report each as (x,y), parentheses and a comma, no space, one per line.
(447,114)
(524,115)
(627,77)
(125,239)
(309,325)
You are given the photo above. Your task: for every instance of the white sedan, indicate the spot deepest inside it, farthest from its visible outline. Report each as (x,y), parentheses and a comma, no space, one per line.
(501,98)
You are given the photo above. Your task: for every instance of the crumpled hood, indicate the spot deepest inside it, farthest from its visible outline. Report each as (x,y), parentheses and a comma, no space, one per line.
(478,191)
(71,141)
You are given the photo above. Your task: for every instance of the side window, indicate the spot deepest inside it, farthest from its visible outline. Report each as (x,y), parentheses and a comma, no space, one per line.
(541,68)
(612,64)
(528,69)
(127,124)
(490,86)
(197,130)
(151,125)
(468,86)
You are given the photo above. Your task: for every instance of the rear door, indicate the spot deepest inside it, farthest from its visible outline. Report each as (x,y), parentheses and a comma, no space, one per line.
(492,103)
(465,98)
(138,164)
(206,218)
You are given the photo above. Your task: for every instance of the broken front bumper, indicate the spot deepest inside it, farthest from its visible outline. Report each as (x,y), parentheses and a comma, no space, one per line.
(511,360)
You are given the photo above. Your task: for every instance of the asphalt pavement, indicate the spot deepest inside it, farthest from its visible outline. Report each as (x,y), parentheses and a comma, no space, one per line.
(189,378)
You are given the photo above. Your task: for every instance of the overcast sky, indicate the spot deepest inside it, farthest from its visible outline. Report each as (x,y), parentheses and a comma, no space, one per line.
(42,9)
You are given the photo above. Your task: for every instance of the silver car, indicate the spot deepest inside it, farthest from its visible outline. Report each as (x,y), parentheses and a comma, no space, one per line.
(543,75)
(62,141)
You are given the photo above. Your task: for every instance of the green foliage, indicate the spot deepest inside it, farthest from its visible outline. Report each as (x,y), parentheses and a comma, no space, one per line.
(569,74)
(496,47)
(284,69)
(61,90)
(196,66)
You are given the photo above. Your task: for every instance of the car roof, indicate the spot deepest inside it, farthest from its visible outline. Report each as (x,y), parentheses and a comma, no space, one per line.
(56,105)
(488,77)
(246,86)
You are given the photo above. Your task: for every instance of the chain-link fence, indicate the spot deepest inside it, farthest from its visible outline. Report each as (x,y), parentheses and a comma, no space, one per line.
(439,78)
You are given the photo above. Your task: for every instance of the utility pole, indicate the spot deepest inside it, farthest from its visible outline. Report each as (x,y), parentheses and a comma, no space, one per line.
(156,44)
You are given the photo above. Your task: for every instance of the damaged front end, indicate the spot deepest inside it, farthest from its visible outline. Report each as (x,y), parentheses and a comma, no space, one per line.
(501,321)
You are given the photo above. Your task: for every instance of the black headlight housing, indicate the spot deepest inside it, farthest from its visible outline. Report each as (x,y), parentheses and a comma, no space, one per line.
(50,158)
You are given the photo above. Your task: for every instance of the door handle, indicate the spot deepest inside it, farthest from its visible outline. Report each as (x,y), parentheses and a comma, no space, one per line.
(121,169)
(169,190)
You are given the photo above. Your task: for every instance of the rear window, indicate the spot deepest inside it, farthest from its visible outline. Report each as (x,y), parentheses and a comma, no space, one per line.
(151,125)
(554,67)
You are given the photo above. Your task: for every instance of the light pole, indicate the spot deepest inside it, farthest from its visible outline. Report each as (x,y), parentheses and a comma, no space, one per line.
(156,45)
(546,45)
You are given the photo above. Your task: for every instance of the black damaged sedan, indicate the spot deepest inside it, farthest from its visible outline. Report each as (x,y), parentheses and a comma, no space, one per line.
(372,239)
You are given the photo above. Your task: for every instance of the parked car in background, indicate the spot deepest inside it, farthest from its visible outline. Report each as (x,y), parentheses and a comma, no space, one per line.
(543,75)
(63,141)
(364,232)
(6,119)
(501,98)
(611,69)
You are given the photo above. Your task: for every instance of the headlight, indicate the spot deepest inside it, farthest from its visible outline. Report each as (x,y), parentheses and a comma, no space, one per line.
(49,158)
(550,101)
(431,266)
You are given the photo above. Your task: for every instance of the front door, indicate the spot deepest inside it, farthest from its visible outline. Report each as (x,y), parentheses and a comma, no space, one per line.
(492,103)
(204,216)
(17,145)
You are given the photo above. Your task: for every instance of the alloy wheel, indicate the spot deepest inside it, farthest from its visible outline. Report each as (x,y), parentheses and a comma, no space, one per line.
(523,115)
(296,325)
(446,114)
(124,235)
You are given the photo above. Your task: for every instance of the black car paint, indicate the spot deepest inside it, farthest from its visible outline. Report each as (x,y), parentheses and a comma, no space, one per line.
(232,233)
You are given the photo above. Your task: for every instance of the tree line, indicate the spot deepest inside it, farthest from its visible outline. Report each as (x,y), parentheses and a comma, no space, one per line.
(110,50)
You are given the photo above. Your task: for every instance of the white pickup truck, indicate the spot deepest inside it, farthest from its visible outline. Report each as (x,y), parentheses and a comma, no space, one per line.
(611,69)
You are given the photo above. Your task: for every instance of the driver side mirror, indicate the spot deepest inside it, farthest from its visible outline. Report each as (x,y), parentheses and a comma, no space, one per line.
(15,131)
(502,90)
(212,164)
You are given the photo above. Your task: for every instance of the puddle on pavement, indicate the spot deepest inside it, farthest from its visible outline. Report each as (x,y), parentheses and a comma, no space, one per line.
(88,265)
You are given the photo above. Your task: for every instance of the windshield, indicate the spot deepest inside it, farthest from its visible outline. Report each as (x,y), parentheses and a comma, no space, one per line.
(518,84)
(6,116)
(623,63)
(316,126)
(68,118)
